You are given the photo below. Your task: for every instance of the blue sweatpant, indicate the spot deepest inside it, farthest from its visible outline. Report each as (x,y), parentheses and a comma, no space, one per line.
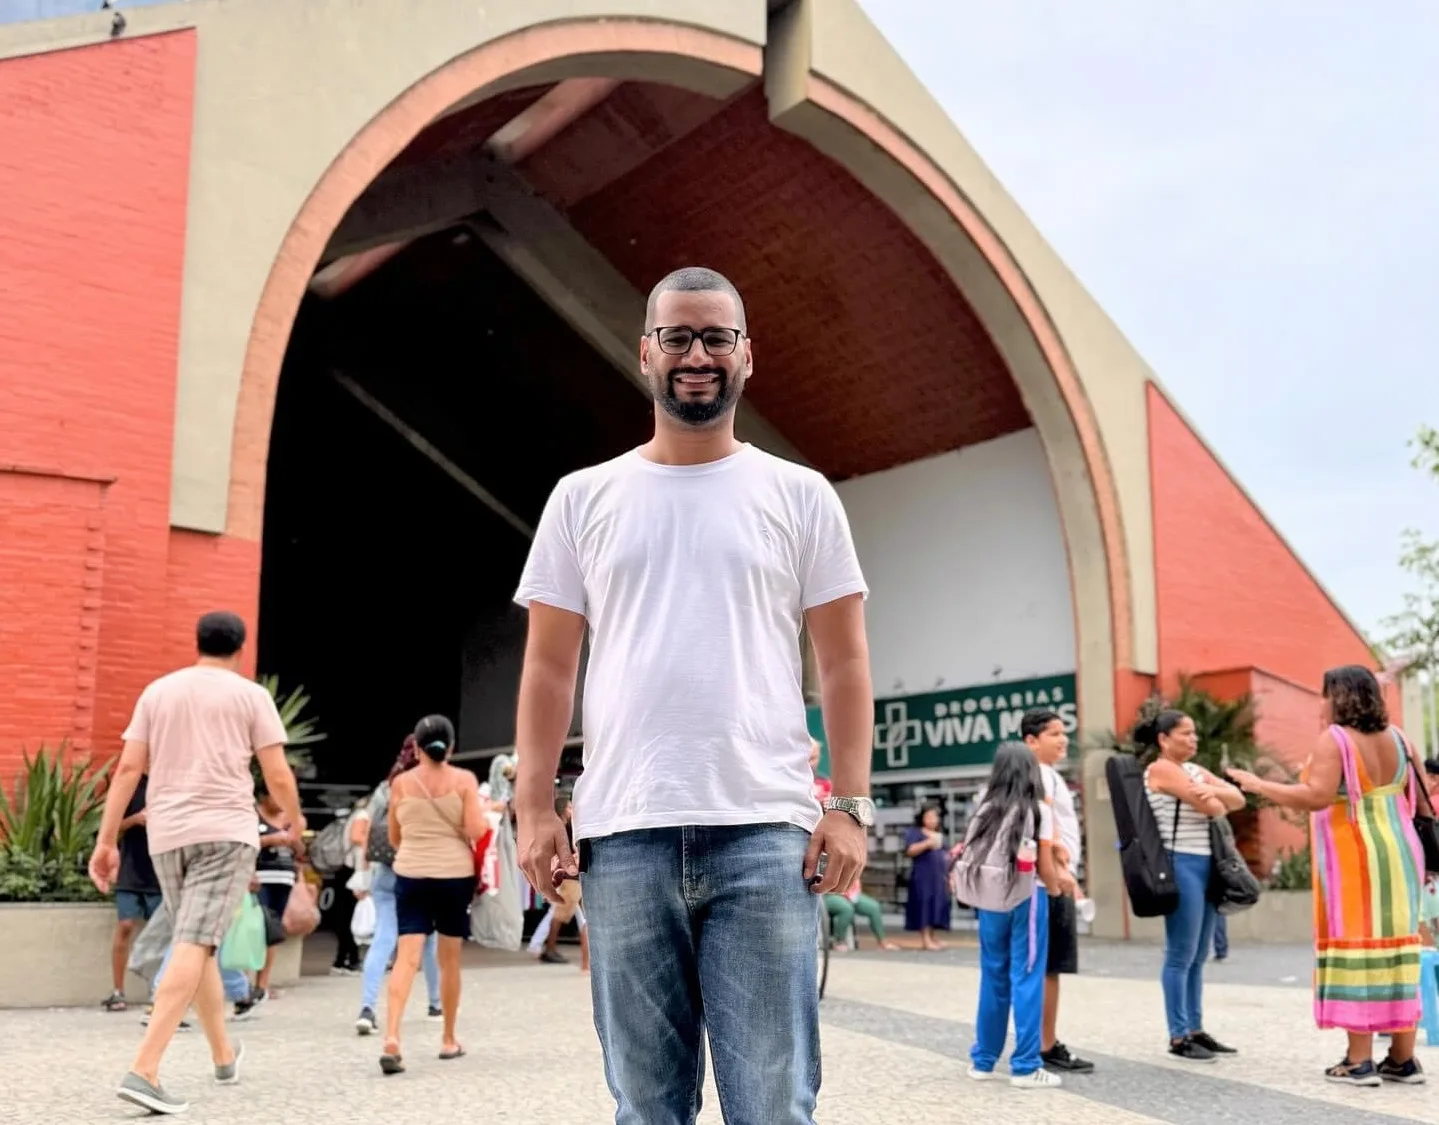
(1010,976)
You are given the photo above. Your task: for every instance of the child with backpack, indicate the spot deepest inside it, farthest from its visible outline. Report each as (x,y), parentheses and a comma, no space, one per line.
(1007,872)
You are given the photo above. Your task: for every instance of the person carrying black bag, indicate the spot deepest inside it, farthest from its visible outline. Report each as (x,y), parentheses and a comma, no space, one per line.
(1186,799)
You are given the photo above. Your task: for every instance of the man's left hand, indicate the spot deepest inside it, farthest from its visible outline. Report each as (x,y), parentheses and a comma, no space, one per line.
(842,838)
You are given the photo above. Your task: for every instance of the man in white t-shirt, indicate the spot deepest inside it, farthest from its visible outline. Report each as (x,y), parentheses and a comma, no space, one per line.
(1043,732)
(693,561)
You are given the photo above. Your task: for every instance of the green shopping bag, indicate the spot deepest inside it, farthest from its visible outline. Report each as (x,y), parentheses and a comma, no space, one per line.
(244,944)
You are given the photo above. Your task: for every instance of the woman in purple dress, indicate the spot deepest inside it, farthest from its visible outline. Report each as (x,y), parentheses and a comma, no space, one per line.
(927,908)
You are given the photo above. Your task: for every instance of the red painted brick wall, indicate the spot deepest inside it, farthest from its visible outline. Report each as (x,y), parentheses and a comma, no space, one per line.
(208,572)
(1235,603)
(1230,592)
(94,171)
(49,615)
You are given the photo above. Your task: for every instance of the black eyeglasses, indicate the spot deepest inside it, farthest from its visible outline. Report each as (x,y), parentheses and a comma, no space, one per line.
(678,340)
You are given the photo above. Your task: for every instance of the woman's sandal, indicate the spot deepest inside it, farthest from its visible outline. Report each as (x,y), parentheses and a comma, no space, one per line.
(457,1053)
(392,1062)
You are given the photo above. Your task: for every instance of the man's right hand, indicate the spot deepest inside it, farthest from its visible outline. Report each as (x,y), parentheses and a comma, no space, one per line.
(104,866)
(544,848)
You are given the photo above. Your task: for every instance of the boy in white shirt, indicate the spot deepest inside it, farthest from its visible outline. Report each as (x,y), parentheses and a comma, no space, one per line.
(1043,733)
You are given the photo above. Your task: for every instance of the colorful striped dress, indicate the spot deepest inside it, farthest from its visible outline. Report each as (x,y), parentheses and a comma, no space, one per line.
(1367,892)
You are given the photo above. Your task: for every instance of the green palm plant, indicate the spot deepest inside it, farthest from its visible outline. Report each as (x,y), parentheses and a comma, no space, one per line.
(301,731)
(48,824)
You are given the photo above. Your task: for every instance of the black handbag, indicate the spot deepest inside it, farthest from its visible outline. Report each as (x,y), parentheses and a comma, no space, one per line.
(274,928)
(1232,886)
(1426,827)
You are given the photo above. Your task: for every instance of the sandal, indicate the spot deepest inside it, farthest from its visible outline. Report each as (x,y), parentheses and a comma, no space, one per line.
(115,1003)
(392,1062)
(457,1053)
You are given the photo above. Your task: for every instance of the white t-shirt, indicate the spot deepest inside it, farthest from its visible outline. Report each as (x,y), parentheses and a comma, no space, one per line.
(694,580)
(1066,820)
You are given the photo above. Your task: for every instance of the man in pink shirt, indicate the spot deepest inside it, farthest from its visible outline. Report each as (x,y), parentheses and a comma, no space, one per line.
(194,732)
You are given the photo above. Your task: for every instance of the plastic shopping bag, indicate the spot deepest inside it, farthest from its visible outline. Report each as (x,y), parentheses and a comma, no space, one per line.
(244,944)
(148,952)
(496,918)
(362,922)
(302,912)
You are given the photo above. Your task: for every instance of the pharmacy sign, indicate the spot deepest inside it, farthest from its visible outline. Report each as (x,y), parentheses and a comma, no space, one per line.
(963,726)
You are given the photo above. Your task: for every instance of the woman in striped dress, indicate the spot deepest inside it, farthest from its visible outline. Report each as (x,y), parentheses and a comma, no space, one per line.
(1359,786)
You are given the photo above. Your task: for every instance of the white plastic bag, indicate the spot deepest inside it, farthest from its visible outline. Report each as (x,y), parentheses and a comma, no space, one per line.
(148,951)
(362,922)
(497,920)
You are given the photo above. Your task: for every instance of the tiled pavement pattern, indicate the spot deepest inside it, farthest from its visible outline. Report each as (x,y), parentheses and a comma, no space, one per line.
(897,1029)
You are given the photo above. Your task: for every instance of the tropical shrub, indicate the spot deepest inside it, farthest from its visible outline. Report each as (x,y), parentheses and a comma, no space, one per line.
(1293,871)
(48,824)
(301,730)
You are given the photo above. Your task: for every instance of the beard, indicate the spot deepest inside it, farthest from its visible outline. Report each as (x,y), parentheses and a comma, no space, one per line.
(697,412)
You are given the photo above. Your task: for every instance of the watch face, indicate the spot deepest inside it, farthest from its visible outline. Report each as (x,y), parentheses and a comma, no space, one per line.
(861,808)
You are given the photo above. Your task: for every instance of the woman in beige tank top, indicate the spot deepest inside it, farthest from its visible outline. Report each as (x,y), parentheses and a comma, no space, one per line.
(434,820)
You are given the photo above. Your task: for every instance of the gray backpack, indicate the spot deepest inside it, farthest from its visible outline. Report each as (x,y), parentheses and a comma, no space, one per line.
(330,848)
(985,876)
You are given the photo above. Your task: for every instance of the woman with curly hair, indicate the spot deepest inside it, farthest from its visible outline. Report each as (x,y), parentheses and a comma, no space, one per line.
(1360,787)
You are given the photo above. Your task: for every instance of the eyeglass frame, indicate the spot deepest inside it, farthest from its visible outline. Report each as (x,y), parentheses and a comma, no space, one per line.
(697,334)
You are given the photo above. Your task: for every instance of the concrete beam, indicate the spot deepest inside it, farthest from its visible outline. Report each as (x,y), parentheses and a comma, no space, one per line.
(537,242)
(584,288)
(432,454)
(412,201)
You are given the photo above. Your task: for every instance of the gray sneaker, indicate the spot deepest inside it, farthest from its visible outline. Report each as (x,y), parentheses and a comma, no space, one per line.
(228,1074)
(137,1091)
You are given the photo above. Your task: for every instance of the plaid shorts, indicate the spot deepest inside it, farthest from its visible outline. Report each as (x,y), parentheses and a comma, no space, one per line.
(203,885)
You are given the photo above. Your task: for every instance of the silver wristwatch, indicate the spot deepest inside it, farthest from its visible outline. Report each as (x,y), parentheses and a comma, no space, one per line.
(861,808)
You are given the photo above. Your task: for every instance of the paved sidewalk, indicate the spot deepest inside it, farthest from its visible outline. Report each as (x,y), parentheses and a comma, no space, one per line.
(896,1033)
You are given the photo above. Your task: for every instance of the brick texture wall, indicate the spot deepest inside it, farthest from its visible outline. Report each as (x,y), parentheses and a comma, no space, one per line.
(1237,610)
(94,170)
(1231,594)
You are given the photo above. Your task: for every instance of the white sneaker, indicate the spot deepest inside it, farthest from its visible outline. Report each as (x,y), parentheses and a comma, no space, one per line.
(983,1075)
(1040,1079)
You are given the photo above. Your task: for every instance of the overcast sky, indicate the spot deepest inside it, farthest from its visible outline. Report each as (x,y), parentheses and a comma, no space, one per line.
(1251,190)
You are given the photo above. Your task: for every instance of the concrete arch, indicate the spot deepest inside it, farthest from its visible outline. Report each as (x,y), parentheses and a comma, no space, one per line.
(840,125)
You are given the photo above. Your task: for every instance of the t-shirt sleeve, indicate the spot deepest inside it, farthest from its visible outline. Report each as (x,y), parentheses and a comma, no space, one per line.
(1046,822)
(829,567)
(266,726)
(552,572)
(139,728)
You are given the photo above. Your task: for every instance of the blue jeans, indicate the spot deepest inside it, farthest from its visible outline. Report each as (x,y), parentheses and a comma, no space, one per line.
(1008,978)
(1188,934)
(699,929)
(237,984)
(1221,938)
(387,935)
